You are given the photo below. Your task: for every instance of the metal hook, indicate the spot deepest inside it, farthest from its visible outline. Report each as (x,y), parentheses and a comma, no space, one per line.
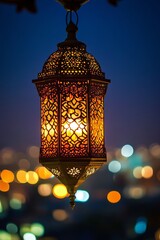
(69,15)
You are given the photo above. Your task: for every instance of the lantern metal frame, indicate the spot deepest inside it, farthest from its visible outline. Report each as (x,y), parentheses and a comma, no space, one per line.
(72,87)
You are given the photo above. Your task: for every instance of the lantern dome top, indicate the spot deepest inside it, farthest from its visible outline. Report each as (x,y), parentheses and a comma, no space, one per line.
(71,59)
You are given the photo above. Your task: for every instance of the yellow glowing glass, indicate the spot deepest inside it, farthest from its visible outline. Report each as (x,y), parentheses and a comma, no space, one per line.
(60,191)
(73,129)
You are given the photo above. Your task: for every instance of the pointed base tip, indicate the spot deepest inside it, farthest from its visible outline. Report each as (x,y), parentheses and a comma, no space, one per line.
(72,202)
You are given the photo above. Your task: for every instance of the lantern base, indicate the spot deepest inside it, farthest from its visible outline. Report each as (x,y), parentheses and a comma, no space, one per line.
(72,173)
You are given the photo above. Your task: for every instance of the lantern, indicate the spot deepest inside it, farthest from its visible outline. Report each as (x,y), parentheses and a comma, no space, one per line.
(72,87)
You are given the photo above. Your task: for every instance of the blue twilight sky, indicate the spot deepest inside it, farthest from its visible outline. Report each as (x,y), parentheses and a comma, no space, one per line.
(126,42)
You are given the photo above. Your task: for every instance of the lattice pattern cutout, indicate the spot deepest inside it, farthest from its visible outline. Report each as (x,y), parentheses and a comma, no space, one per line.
(51,65)
(71,61)
(74,172)
(49,120)
(74,120)
(97,120)
(56,172)
(94,67)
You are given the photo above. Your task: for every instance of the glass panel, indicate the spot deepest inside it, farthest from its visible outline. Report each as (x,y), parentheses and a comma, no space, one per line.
(97,120)
(49,121)
(74,120)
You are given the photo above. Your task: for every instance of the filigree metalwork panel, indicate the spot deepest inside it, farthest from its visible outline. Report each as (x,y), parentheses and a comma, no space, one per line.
(74,130)
(97,120)
(71,61)
(49,120)
(51,66)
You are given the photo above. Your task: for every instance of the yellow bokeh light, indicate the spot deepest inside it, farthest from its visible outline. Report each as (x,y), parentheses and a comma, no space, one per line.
(32,177)
(43,173)
(21,176)
(7,176)
(147,172)
(137,172)
(4,186)
(45,189)
(113,197)
(60,191)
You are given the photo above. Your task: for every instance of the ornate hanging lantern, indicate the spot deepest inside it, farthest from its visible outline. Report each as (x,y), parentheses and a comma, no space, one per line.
(72,87)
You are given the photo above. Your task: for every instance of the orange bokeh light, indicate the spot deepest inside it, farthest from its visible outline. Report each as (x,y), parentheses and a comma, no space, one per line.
(7,176)
(113,197)
(4,186)
(43,173)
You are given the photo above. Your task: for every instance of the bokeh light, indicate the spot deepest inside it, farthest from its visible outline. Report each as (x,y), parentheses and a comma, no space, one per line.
(45,189)
(32,177)
(60,191)
(21,176)
(37,229)
(155,150)
(12,228)
(7,176)
(29,236)
(24,164)
(127,150)
(60,215)
(4,187)
(81,196)
(140,226)
(7,155)
(135,192)
(114,166)
(4,235)
(147,172)
(157,235)
(137,172)
(33,151)
(15,204)
(43,173)
(20,196)
(25,228)
(113,196)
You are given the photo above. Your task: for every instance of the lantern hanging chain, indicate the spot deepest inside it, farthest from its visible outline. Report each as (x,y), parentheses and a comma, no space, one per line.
(69,17)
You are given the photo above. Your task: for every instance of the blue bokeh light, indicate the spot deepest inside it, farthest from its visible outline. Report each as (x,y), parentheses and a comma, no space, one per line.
(140,226)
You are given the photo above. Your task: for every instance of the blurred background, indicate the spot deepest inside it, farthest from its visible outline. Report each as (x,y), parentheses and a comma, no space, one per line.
(121,200)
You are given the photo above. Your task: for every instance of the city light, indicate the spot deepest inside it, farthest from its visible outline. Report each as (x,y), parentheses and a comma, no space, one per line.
(113,196)
(60,191)
(114,166)
(127,150)
(82,196)
(140,226)
(60,215)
